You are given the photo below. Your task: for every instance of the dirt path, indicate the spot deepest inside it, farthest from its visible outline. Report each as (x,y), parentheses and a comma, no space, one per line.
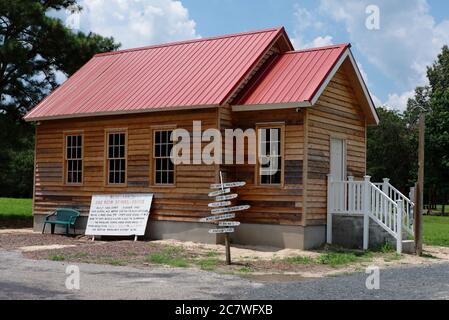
(264,263)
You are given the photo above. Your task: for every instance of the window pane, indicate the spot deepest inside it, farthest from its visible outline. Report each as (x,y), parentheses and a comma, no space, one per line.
(163,166)
(270,160)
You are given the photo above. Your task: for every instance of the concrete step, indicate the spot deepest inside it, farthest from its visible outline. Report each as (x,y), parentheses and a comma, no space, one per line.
(408,246)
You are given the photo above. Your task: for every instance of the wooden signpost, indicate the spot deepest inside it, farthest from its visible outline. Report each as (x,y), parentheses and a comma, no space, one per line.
(217,218)
(222,211)
(226,197)
(219,204)
(225,230)
(229,209)
(228,224)
(219,192)
(227,185)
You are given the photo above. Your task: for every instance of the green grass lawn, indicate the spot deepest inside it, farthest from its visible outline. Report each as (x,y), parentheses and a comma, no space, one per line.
(436,231)
(16,207)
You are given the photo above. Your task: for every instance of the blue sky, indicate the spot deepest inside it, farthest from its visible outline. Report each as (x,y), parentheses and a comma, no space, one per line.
(393,59)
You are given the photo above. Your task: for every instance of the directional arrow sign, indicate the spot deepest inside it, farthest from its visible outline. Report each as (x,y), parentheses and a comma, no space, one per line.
(226,197)
(219,204)
(226,230)
(217,218)
(230,209)
(219,192)
(228,224)
(227,185)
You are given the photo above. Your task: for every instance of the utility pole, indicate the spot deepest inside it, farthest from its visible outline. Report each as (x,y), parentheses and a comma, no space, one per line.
(418,212)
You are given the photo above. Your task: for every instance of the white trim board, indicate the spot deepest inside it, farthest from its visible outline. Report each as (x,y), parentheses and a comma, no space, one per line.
(256,107)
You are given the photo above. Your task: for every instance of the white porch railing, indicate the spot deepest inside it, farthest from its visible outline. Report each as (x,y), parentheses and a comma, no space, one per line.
(379,201)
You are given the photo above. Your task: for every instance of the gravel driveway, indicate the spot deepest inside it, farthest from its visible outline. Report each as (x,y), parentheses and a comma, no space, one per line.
(22,278)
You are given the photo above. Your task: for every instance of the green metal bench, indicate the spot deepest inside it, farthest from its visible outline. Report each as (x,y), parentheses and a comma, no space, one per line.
(62,217)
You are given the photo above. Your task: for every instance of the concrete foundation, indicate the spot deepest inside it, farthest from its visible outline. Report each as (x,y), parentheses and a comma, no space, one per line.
(295,237)
(347,231)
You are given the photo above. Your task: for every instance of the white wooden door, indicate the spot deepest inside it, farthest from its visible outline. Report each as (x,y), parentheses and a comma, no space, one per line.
(338,159)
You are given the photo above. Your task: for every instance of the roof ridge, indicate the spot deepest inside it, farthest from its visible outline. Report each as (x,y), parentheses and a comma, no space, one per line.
(175,43)
(341,45)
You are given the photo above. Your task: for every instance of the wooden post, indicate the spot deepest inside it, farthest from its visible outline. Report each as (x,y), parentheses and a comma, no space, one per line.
(227,240)
(330,199)
(420,186)
(366,208)
(228,249)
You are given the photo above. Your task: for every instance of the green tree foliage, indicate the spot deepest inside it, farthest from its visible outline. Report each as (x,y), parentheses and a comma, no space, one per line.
(434,101)
(393,145)
(391,149)
(34,48)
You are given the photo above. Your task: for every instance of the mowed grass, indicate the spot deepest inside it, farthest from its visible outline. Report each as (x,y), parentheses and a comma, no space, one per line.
(436,231)
(20,208)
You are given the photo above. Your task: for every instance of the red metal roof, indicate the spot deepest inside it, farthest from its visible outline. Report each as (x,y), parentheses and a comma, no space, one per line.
(194,73)
(294,76)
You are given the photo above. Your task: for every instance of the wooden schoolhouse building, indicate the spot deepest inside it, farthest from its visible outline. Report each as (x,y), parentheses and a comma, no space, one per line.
(107,130)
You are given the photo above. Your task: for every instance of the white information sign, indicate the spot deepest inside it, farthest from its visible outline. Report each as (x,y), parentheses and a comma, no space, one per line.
(228,224)
(219,204)
(226,197)
(229,209)
(227,185)
(226,230)
(119,214)
(219,192)
(216,218)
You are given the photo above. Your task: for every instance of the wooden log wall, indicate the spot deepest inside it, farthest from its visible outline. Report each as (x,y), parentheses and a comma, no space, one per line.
(186,201)
(270,204)
(336,114)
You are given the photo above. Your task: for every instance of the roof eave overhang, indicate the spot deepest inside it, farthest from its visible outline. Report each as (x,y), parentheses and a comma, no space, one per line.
(116,113)
(271,106)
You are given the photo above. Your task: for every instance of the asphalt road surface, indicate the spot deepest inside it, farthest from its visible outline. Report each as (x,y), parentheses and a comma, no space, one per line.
(22,278)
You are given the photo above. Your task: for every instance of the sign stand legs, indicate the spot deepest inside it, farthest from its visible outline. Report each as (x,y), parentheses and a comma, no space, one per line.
(135,238)
(93,238)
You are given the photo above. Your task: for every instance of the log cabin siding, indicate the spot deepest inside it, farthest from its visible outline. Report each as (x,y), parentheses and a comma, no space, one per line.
(270,204)
(300,200)
(185,201)
(336,114)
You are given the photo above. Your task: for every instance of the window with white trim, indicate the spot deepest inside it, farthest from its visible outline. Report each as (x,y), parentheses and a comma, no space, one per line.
(74,158)
(116,157)
(270,156)
(164,169)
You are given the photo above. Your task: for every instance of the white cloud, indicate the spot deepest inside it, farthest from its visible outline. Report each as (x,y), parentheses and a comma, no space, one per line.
(137,23)
(409,38)
(399,101)
(307,22)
